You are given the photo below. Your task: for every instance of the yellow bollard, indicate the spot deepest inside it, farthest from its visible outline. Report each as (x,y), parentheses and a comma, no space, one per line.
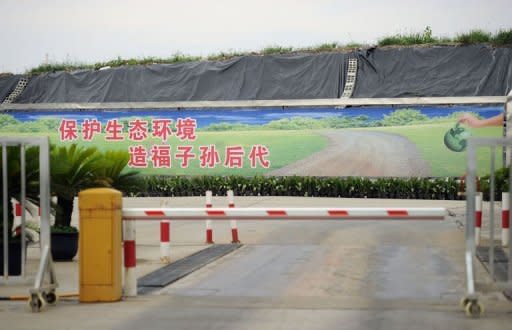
(100,245)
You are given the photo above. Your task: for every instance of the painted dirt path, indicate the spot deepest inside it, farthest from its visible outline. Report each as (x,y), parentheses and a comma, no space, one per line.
(361,153)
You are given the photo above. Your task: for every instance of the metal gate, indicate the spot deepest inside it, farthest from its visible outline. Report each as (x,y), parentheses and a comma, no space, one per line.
(470,302)
(43,291)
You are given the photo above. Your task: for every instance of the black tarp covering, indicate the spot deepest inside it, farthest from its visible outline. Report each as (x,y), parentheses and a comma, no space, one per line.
(245,78)
(393,72)
(437,71)
(7,85)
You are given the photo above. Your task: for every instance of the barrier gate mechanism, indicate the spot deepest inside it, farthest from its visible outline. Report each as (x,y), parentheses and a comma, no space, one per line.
(230,213)
(40,294)
(470,302)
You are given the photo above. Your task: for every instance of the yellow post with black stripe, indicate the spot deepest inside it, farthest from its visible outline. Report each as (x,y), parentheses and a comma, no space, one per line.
(100,245)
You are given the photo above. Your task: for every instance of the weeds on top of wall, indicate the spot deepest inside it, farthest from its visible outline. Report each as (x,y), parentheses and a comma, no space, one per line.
(500,38)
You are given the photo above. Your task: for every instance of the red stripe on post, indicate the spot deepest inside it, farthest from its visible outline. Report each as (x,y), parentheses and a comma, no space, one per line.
(216,213)
(18,210)
(129,254)
(505,223)
(277,213)
(209,236)
(337,213)
(208,205)
(231,205)
(165,232)
(397,213)
(234,235)
(478,219)
(153,213)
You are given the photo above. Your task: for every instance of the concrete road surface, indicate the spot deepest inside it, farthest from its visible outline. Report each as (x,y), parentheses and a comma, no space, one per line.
(303,275)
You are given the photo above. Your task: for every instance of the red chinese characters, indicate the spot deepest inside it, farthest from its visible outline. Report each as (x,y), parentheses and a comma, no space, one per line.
(164,153)
(162,128)
(137,130)
(113,131)
(234,157)
(185,154)
(68,130)
(138,157)
(90,128)
(186,129)
(161,156)
(209,156)
(257,156)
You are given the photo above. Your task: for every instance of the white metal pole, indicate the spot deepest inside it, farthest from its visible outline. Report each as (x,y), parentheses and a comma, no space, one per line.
(234,227)
(478,217)
(505,224)
(209,230)
(165,238)
(130,260)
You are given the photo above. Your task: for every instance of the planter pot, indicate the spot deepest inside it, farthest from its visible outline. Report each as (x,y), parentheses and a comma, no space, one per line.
(64,246)
(14,258)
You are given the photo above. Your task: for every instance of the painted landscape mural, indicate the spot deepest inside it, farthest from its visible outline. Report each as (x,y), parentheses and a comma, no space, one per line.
(361,141)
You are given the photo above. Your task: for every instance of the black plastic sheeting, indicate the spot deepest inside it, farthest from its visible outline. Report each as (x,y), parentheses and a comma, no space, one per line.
(393,72)
(7,85)
(438,71)
(244,78)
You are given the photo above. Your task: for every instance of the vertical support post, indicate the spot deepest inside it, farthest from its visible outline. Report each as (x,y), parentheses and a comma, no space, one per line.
(470,218)
(44,205)
(234,227)
(23,206)
(478,217)
(209,230)
(165,239)
(44,194)
(130,259)
(510,215)
(5,207)
(491,211)
(505,224)
(507,123)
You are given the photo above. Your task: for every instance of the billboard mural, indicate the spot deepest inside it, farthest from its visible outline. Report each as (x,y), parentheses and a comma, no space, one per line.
(412,141)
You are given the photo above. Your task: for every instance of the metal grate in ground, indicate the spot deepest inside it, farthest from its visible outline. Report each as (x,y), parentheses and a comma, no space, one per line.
(181,268)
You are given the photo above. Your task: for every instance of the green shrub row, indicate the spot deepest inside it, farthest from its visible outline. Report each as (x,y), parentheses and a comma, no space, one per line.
(501,180)
(349,187)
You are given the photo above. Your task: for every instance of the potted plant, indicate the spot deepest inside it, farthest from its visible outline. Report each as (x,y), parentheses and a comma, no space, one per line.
(73,168)
(14,191)
(113,173)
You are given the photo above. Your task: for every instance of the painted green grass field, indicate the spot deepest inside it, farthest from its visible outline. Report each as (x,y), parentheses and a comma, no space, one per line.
(289,146)
(429,140)
(285,148)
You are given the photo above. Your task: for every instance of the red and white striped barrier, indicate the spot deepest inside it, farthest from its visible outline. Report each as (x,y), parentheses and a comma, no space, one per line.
(305,213)
(130,259)
(478,217)
(234,227)
(30,206)
(209,229)
(299,213)
(505,222)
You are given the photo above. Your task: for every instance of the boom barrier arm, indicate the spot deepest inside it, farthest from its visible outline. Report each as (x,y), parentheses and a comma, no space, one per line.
(303,213)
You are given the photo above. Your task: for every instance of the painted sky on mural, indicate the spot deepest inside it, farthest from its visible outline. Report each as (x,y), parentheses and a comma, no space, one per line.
(253,116)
